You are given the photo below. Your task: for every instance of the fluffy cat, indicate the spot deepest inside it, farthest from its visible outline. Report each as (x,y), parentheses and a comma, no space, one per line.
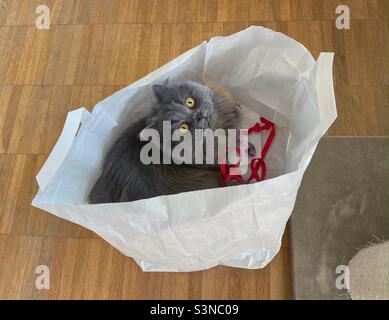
(192,105)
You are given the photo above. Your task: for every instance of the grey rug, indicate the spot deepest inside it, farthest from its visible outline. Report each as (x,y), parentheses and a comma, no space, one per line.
(341,206)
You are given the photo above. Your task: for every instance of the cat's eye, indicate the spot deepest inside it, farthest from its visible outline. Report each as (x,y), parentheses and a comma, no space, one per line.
(184,127)
(190,102)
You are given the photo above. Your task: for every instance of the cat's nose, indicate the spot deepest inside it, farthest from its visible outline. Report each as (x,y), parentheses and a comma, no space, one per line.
(199,116)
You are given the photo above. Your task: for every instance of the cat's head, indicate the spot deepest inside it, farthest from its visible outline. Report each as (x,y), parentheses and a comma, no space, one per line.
(192,106)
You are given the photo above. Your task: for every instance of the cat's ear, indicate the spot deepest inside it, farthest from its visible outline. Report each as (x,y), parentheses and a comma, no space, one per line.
(158,91)
(162,92)
(166,82)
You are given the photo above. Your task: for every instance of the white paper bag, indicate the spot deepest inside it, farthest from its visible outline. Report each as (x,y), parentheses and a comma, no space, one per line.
(238,226)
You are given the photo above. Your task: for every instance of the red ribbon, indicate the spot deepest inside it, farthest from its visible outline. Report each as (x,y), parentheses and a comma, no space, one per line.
(256,164)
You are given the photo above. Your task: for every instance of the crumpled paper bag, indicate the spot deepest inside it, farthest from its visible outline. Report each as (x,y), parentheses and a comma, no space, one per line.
(238,226)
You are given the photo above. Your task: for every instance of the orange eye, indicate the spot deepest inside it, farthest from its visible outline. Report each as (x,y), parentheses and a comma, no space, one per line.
(184,127)
(190,102)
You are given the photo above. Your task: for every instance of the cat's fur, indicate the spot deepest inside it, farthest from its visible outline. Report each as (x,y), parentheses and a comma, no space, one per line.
(125,178)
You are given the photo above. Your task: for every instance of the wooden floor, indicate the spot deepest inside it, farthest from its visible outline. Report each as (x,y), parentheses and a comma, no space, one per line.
(95,47)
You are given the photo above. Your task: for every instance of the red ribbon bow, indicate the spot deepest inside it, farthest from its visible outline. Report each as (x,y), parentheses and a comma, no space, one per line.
(256,164)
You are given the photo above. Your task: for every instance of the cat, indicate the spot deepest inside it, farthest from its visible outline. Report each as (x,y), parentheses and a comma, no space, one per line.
(188,106)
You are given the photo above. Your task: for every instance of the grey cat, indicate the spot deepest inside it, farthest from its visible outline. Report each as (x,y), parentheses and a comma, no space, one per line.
(188,106)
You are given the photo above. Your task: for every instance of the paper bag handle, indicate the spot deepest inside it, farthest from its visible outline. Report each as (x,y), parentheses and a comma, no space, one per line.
(62,146)
(325,90)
